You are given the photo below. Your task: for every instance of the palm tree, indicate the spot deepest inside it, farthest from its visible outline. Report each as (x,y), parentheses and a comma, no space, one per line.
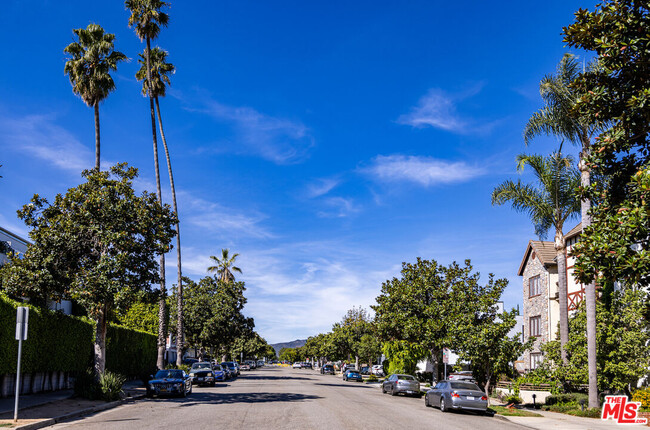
(558,117)
(92,59)
(147,18)
(159,73)
(550,204)
(225,266)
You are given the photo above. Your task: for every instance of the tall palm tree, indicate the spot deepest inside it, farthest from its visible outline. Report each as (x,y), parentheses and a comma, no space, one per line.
(92,59)
(225,266)
(550,204)
(160,71)
(147,18)
(558,117)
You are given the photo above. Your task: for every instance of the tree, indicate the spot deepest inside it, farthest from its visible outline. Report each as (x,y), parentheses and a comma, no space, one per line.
(559,117)
(428,304)
(92,59)
(289,354)
(96,244)
(159,78)
(142,314)
(549,204)
(147,18)
(370,347)
(348,333)
(225,266)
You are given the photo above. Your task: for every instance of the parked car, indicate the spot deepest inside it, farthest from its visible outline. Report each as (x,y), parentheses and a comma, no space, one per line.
(296,365)
(169,382)
(232,366)
(396,384)
(352,375)
(219,373)
(347,366)
(245,366)
(327,368)
(252,364)
(365,370)
(201,373)
(306,365)
(465,375)
(377,370)
(461,395)
(190,361)
(260,363)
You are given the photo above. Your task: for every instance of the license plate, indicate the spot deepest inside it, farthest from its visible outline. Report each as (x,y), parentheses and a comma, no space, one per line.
(470,398)
(163,390)
(200,379)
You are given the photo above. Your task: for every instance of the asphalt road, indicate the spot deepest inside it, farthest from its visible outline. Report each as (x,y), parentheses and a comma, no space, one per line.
(284,398)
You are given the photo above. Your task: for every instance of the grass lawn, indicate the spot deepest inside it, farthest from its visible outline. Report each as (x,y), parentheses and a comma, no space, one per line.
(514,412)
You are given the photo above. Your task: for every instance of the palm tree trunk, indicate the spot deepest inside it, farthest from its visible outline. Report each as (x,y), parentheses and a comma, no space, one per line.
(590,289)
(560,248)
(97,145)
(180,333)
(162,303)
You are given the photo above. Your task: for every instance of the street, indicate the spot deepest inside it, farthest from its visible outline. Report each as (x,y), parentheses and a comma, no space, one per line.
(284,398)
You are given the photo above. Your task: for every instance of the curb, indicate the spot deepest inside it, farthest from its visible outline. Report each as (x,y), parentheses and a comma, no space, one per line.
(81,412)
(504,418)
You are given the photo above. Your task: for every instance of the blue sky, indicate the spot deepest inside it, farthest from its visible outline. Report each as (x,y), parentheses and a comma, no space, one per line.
(326,142)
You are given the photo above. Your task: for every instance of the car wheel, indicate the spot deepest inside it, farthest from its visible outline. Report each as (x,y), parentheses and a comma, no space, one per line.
(149,393)
(213,383)
(190,392)
(383,390)
(443,407)
(426,401)
(392,391)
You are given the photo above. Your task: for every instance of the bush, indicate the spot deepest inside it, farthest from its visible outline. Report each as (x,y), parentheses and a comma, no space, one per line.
(130,352)
(86,386)
(567,399)
(110,386)
(424,376)
(642,395)
(372,378)
(184,367)
(512,398)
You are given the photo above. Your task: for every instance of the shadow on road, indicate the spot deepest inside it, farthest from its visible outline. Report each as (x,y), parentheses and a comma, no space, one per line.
(271,378)
(344,385)
(198,398)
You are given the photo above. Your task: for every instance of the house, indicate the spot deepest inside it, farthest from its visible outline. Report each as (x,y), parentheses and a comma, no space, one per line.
(12,243)
(541,310)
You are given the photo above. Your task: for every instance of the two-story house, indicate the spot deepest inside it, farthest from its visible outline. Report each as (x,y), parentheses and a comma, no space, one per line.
(541,310)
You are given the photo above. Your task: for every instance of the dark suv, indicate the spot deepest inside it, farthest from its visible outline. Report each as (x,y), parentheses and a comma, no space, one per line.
(327,368)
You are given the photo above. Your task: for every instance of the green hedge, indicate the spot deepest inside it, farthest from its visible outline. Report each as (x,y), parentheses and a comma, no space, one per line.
(132,353)
(54,341)
(57,342)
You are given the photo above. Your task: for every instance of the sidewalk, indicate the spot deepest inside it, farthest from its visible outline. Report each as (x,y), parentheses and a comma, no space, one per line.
(557,421)
(45,409)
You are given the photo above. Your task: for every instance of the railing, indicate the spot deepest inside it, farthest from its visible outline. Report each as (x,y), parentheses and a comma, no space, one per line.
(575,299)
(530,387)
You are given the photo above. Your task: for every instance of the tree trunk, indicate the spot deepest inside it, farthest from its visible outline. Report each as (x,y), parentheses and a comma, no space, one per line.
(590,289)
(180,332)
(97,145)
(100,341)
(487,385)
(356,362)
(162,312)
(560,248)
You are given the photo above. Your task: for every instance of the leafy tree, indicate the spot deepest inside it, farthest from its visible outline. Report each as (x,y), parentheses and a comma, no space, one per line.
(487,346)
(92,59)
(147,18)
(428,304)
(96,244)
(614,94)
(142,314)
(251,345)
(159,78)
(347,334)
(224,266)
(623,350)
(370,347)
(550,204)
(290,354)
(403,356)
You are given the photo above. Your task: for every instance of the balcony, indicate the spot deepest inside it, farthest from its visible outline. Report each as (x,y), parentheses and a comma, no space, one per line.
(575,298)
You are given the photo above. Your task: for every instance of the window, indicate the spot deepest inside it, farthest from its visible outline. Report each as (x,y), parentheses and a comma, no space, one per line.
(534,287)
(535,360)
(535,326)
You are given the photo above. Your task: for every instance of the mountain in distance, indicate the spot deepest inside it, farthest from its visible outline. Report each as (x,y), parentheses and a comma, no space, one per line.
(293,344)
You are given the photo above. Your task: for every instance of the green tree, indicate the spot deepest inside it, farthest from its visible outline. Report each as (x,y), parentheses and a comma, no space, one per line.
(429,302)
(92,58)
(142,314)
(147,18)
(403,356)
(348,332)
(289,354)
(560,118)
(370,347)
(159,78)
(549,204)
(96,244)
(224,266)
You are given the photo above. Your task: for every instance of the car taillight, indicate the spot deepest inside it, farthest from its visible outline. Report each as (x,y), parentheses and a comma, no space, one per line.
(484,398)
(454,394)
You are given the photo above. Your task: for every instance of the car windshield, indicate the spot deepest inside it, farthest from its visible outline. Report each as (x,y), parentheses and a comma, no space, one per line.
(169,374)
(464,386)
(405,378)
(201,366)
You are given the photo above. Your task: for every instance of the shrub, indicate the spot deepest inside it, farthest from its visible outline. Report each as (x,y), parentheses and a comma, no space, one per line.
(424,376)
(110,386)
(372,378)
(642,395)
(86,386)
(512,398)
(184,367)
(566,399)
(130,352)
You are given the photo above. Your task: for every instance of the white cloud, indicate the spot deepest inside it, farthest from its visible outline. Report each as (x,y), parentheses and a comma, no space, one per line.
(425,171)
(340,207)
(279,140)
(320,187)
(41,137)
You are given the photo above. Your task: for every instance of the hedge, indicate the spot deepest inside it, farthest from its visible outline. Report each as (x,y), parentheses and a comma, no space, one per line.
(57,342)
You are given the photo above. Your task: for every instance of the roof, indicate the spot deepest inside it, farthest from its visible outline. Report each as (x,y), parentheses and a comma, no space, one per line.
(544,251)
(574,231)
(14,235)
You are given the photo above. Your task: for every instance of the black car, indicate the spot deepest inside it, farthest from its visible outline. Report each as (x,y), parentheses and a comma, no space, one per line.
(169,382)
(306,365)
(202,373)
(327,368)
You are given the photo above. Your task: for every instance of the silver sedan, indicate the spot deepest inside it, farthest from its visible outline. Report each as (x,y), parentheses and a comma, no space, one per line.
(459,395)
(396,384)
